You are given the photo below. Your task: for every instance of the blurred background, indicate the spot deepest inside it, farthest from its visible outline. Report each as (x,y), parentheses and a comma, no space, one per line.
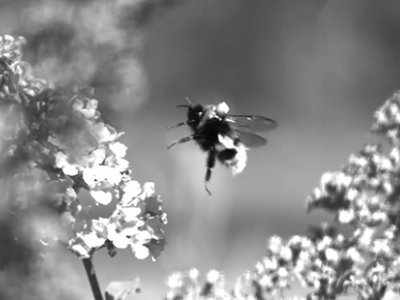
(319,68)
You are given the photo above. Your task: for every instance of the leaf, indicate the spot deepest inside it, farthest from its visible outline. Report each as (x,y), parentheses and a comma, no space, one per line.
(153,205)
(119,290)
(156,247)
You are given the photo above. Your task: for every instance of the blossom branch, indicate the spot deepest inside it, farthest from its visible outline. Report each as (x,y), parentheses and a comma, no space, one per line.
(91,274)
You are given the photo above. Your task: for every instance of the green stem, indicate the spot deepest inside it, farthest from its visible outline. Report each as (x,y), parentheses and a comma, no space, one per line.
(91,274)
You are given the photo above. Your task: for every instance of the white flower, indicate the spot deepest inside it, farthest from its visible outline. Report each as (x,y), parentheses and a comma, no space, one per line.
(97,157)
(275,244)
(130,213)
(117,236)
(100,226)
(131,190)
(193,274)
(87,108)
(365,238)
(140,251)
(102,197)
(324,243)
(393,109)
(61,162)
(92,239)
(355,255)
(266,281)
(332,254)
(148,190)
(213,276)
(381,246)
(352,194)
(175,280)
(395,155)
(270,263)
(390,295)
(105,133)
(385,164)
(137,245)
(286,253)
(326,178)
(98,174)
(118,149)
(282,272)
(381,117)
(345,216)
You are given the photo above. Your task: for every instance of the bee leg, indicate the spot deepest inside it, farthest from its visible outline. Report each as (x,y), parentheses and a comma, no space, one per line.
(177,125)
(181,141)
(210,165)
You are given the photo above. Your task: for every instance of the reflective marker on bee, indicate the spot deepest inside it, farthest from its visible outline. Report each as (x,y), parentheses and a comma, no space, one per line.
(224,137)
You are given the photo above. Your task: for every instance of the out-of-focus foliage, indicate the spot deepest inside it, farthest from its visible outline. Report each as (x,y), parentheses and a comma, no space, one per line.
(97,42)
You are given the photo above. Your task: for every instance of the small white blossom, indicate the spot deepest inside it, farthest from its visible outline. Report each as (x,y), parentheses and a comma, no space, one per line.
(326,178)
(194,274)
(365,238)
(213,276)
(270,263)
(275,244)
(332,254)
(148,190)
(131,190)
(286,253)
(355,255)
(381,117)
(102,197)
(137,244)
(395,155)
(97,157)
(324,243)
(175,280)
(140,251)
(117,236)
(61,161)
(98,174)
(118,149)
(346,216)
(92,240)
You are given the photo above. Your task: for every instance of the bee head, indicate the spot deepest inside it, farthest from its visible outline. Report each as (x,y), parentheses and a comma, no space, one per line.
(194,113)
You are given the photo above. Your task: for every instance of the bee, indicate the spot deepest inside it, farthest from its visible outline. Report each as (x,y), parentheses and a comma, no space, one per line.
(226,138)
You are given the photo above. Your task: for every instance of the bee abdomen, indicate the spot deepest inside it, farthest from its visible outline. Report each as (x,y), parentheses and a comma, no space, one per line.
(227,154)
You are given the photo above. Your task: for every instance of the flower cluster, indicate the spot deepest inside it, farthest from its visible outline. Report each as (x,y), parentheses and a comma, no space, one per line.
(321,262)
(137,222)
(187,285)
(364,196)
(358,193)
(387,119)
(61,133)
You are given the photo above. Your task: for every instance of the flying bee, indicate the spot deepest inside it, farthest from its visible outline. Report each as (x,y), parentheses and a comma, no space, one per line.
(224,137)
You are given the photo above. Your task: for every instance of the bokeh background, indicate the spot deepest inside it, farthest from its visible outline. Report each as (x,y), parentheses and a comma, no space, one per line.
(320,68)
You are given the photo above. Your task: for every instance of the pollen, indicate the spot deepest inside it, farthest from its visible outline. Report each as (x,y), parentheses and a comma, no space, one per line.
(222,108)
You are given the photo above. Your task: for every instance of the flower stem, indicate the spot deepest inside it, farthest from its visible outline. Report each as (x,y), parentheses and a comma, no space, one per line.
(91,274)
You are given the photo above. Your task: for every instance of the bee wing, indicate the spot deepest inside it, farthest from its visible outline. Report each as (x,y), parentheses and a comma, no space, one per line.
(251,123)
(250,139)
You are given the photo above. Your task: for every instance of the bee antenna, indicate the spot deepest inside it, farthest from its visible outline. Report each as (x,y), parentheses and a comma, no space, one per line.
(188,101)
(183,105)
